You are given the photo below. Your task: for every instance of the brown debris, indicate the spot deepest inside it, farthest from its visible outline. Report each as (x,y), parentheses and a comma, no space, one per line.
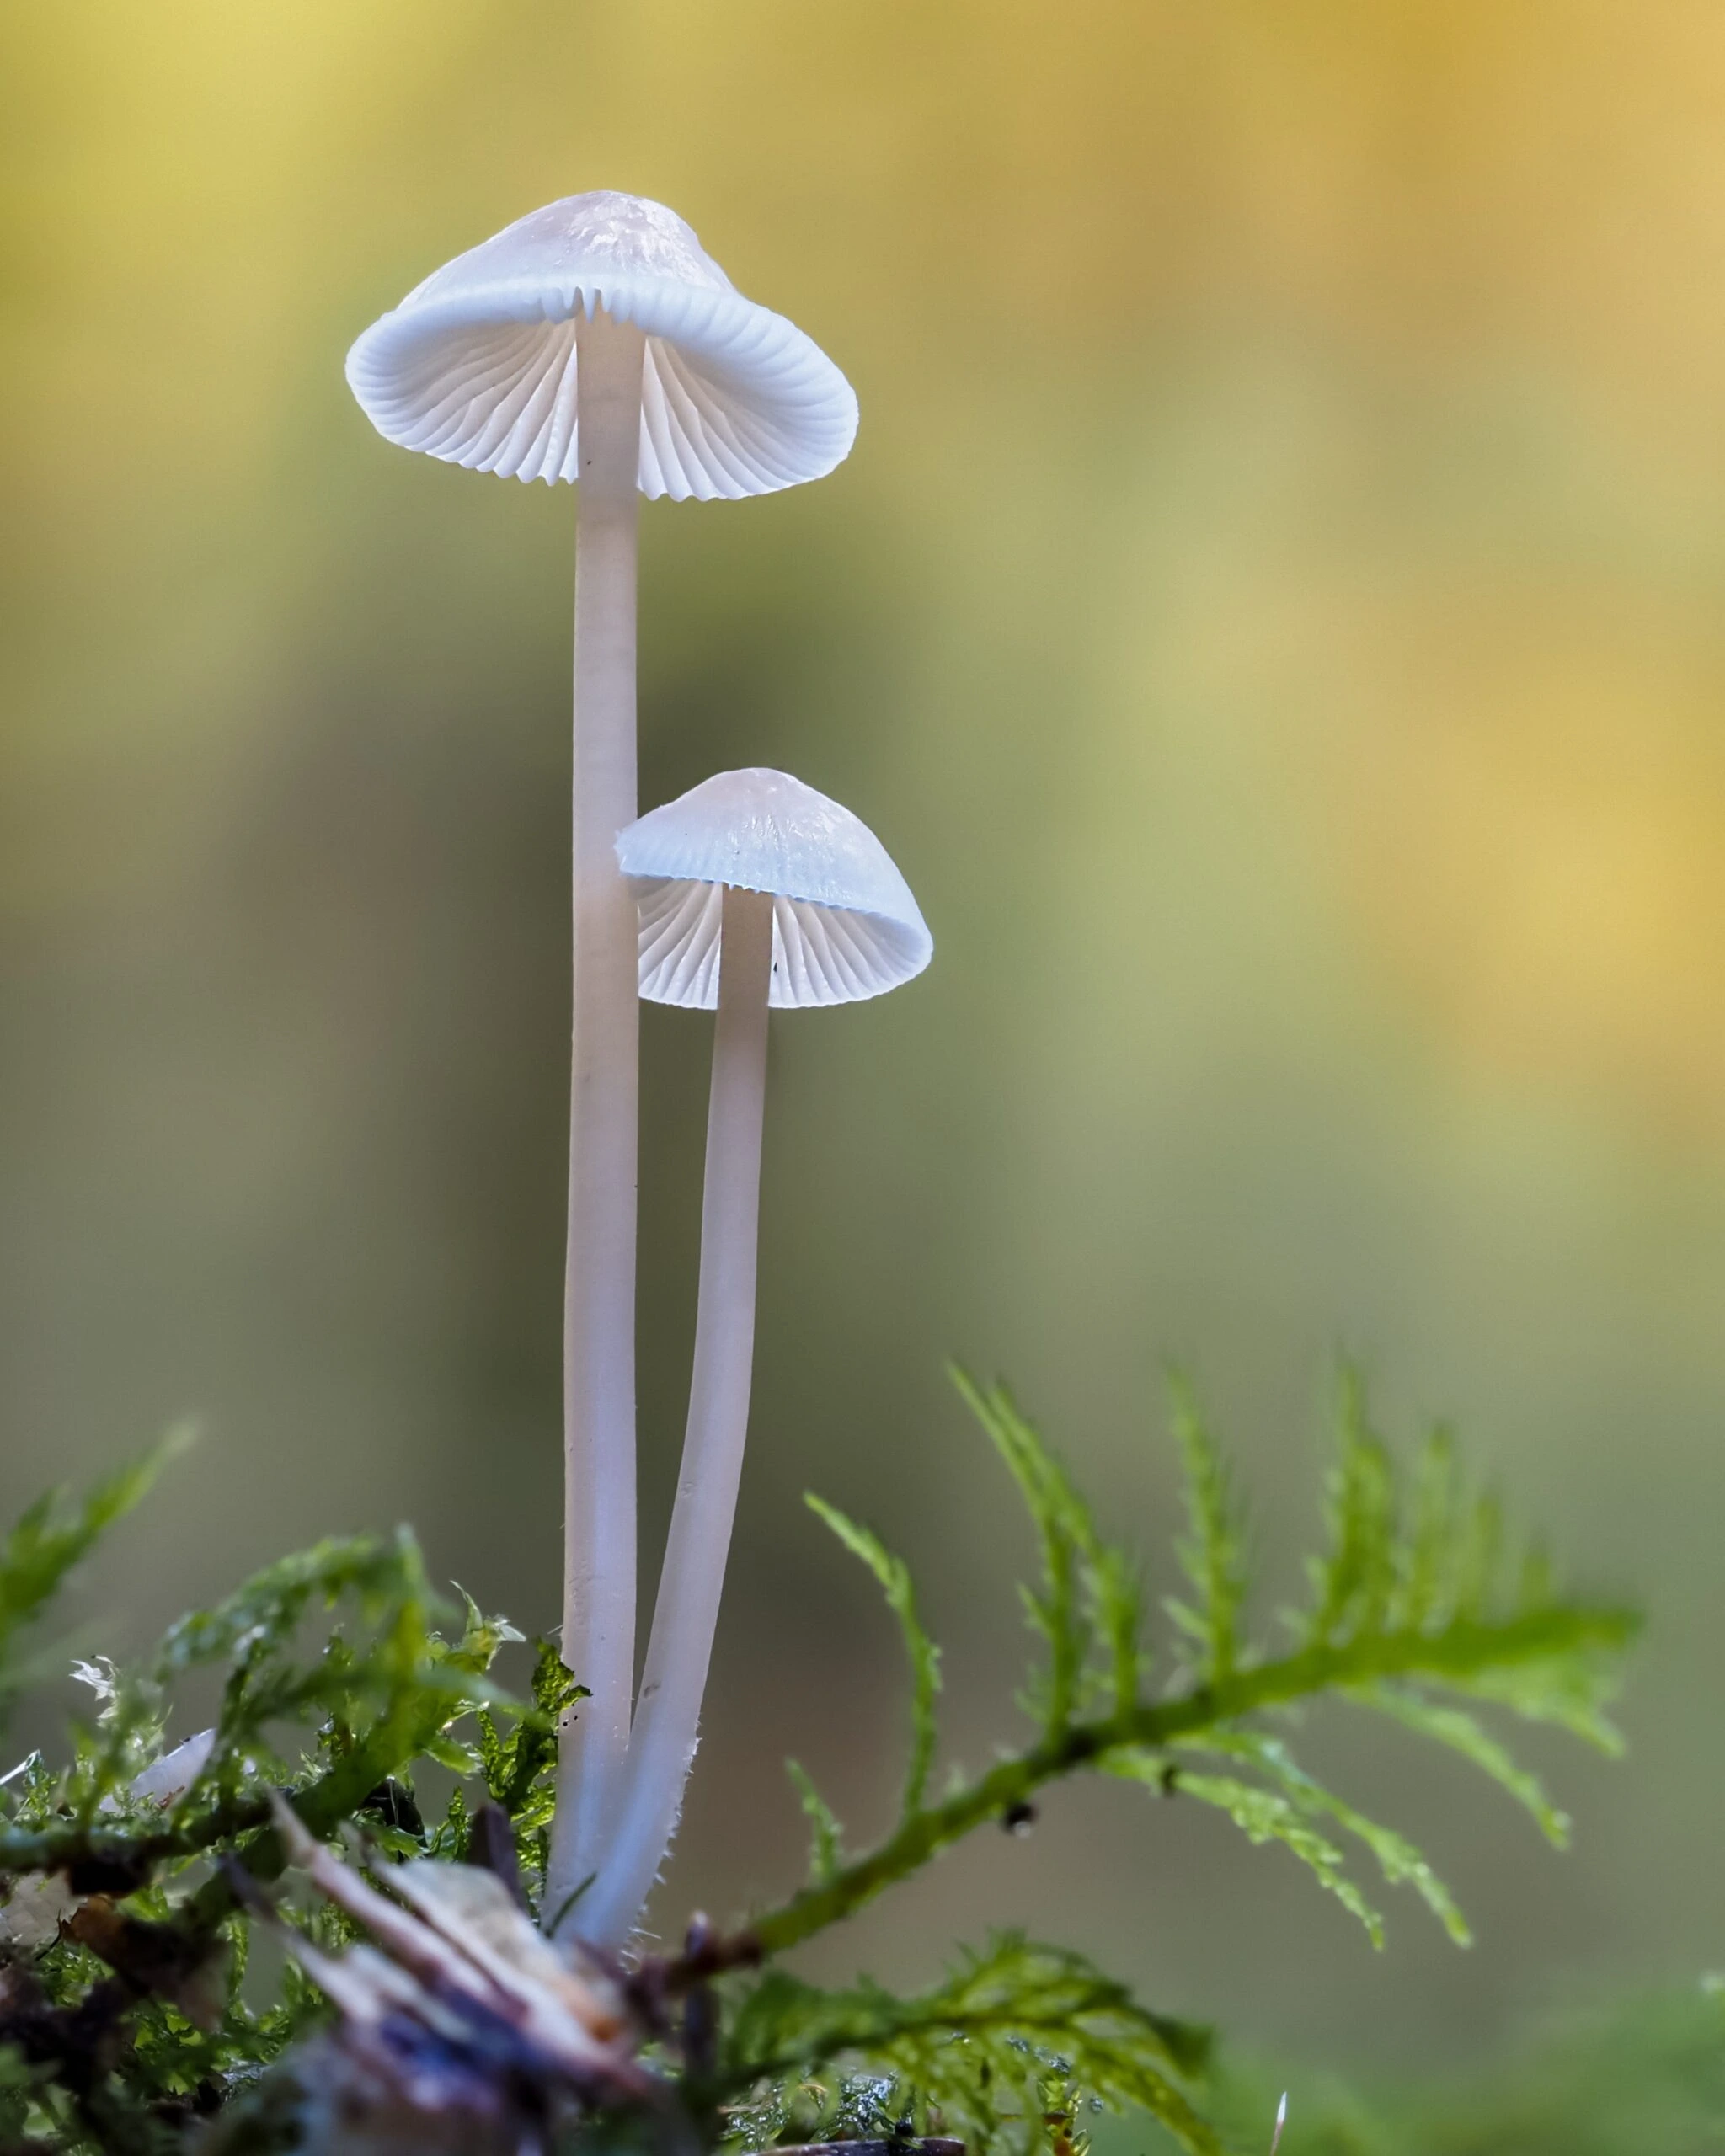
(461,2027)
(154,1958)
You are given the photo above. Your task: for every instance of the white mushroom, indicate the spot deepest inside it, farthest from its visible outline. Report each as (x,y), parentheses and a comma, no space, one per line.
(33,1908)
(595,340)
(755,891)
(165,1780)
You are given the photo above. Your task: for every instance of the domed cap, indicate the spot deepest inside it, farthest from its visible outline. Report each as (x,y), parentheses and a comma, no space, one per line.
(845,925)
(477,365)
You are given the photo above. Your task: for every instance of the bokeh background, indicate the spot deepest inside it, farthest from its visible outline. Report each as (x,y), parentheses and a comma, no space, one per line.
(1275,614)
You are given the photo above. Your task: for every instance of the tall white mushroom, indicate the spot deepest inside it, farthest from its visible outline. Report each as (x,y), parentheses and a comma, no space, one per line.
(595,340)
(754,890)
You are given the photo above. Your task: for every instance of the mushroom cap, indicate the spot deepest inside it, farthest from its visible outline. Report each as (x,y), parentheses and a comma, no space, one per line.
(477,365)
(845,925)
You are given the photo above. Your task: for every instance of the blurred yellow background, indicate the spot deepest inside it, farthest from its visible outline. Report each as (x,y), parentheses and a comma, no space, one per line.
(1275,614)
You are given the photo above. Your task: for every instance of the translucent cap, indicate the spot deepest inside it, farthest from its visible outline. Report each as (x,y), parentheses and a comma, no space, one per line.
(845,925)
(477,365)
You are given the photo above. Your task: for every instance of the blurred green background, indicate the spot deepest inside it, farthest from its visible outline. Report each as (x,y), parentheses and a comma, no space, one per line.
(1273,615)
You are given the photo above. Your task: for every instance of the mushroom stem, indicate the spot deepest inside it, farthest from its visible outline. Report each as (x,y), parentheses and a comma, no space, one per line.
(599,1306)
(667,1719)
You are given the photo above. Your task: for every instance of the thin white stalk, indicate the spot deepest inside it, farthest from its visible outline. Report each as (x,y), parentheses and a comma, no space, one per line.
(599,1306)
(667,1719)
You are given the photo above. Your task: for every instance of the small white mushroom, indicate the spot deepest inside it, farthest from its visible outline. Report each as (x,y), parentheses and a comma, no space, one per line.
(755,891)
(33,1907)
(165,1780)
(480,364)
(595,340)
